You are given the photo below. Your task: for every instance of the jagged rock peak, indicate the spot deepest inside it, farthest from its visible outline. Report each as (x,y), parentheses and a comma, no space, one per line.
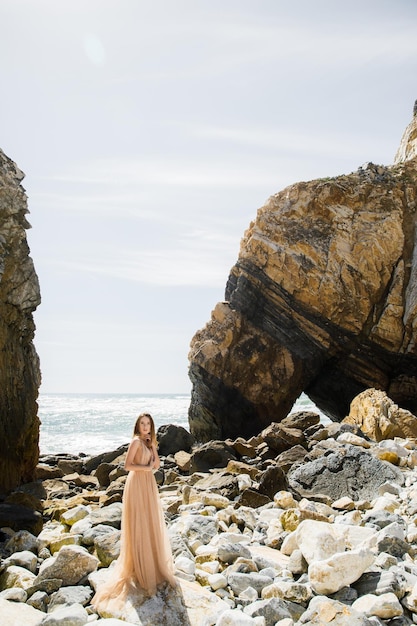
(322,300)
(19,363)
(408,145)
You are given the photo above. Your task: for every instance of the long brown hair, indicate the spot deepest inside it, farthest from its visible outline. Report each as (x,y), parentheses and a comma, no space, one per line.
(136,430)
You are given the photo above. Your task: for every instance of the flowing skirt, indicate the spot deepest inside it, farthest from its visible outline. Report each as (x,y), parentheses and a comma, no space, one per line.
(145,558)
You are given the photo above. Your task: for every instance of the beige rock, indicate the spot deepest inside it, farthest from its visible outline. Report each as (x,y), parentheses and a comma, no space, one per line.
(66,539)
(284,500)
(182,459)
(385,606)
(408,146)
(74,515)
(343,568)
(16,576)
(322,610)
(379,417)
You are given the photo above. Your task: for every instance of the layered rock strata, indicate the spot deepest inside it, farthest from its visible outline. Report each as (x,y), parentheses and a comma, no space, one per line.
(322,300)
(19,364)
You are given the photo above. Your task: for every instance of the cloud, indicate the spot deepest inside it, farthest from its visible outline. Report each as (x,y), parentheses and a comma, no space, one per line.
(197,259)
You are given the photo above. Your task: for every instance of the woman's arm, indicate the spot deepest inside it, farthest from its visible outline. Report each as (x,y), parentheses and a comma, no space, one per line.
(156,462)
(130,466)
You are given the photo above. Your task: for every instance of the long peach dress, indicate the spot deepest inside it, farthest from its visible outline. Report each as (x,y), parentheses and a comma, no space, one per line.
(145,558)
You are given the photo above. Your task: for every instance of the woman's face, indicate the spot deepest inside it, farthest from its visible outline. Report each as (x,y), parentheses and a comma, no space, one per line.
(144,426)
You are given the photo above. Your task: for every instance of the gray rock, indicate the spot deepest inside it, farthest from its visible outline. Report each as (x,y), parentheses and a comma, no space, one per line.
(229,552)
(378,583)
(110,515)
(39,600)
(67,596)
(347,471)
(20,541)
(238,582)
(49,585)
(108,547)
(274,609)
(71,565)
(90,536)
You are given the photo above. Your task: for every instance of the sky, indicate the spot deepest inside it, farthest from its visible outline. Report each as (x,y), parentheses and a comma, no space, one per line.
(151,131)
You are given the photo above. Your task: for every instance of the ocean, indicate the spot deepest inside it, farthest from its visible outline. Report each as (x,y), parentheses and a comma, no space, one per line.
(94,423)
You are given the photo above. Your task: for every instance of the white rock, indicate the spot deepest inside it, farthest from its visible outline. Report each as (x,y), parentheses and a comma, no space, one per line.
(249,594)
(212,567)
(82,526)
(49,533)
(352,518)
(288,590)
(17,594)
(387,502)
(24,559)
(19,614)
(235,617)
(186,565)
(353,439)
(285,500)
(341,569)
(217,581)
(318,540)
(74,615)
(244,481)
(385,606)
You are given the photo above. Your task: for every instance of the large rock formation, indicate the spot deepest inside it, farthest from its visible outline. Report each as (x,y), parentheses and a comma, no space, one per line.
(322,299)
(19,364)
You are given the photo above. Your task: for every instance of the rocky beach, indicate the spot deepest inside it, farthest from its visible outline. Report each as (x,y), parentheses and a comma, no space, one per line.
(304,523)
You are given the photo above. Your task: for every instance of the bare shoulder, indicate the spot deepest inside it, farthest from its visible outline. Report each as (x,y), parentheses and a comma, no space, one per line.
(134,444)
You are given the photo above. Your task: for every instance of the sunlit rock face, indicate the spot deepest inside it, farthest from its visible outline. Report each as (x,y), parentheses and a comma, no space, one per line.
(322,299)
(19,363)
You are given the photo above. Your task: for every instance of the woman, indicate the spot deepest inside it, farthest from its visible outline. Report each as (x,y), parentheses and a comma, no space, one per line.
(145,558)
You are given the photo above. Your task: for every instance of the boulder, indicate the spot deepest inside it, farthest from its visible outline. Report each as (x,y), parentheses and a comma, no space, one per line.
(280,437)
(71,565)
(346,471)
(322,299)
(379,417)
(172,439)
(210,455)
(271,481)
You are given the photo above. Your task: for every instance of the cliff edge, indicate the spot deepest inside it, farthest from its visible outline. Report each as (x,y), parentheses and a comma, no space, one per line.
(19,363)
(322,300)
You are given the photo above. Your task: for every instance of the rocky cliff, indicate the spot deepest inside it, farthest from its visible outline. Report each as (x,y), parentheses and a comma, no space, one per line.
(322,299)
(19,364)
